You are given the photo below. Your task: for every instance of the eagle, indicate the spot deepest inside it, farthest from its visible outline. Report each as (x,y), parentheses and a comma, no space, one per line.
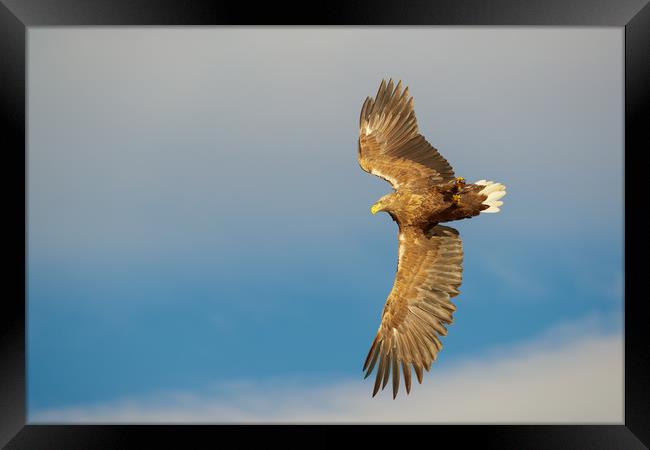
(425,194)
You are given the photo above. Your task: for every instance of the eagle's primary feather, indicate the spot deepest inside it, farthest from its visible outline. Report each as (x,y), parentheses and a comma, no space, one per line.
(430,256)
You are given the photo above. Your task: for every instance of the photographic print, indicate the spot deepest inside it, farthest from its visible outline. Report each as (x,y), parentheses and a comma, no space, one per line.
(204,246)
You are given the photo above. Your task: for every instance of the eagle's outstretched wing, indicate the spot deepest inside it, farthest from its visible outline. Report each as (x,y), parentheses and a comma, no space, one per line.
(390,145)
(429,273)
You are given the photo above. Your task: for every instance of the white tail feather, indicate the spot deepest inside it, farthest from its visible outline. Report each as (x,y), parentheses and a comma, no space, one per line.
(494,192)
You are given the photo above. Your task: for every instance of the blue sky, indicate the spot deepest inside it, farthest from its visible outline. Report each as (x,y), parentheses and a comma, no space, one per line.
(198,220)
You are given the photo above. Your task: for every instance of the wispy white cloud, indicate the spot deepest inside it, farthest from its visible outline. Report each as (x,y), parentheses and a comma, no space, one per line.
(571,374)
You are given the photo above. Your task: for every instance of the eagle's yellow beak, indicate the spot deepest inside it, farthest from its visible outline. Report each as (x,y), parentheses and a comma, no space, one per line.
(375,208)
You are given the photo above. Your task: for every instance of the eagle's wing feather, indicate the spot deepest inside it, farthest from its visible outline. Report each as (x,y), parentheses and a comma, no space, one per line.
(429,273)
(390,145)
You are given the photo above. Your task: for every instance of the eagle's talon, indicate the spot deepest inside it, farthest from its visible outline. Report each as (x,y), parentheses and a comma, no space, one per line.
(456,198)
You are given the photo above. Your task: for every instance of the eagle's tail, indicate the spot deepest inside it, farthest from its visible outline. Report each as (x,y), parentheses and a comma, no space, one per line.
(494,192)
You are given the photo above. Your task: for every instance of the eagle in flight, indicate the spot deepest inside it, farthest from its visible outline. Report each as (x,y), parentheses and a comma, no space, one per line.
(430,255)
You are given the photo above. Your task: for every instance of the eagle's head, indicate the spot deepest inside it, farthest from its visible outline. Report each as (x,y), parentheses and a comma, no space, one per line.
(385,203)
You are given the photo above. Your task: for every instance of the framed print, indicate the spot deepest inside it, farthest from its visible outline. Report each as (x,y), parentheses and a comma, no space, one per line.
(225,212)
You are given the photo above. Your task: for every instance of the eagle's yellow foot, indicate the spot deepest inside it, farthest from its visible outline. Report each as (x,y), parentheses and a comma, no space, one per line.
(456,198)
(459,183)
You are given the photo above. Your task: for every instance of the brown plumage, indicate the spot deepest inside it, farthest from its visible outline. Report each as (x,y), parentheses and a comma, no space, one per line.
(429,267)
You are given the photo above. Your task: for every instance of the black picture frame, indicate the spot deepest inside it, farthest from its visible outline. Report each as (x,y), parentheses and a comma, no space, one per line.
(17,15)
